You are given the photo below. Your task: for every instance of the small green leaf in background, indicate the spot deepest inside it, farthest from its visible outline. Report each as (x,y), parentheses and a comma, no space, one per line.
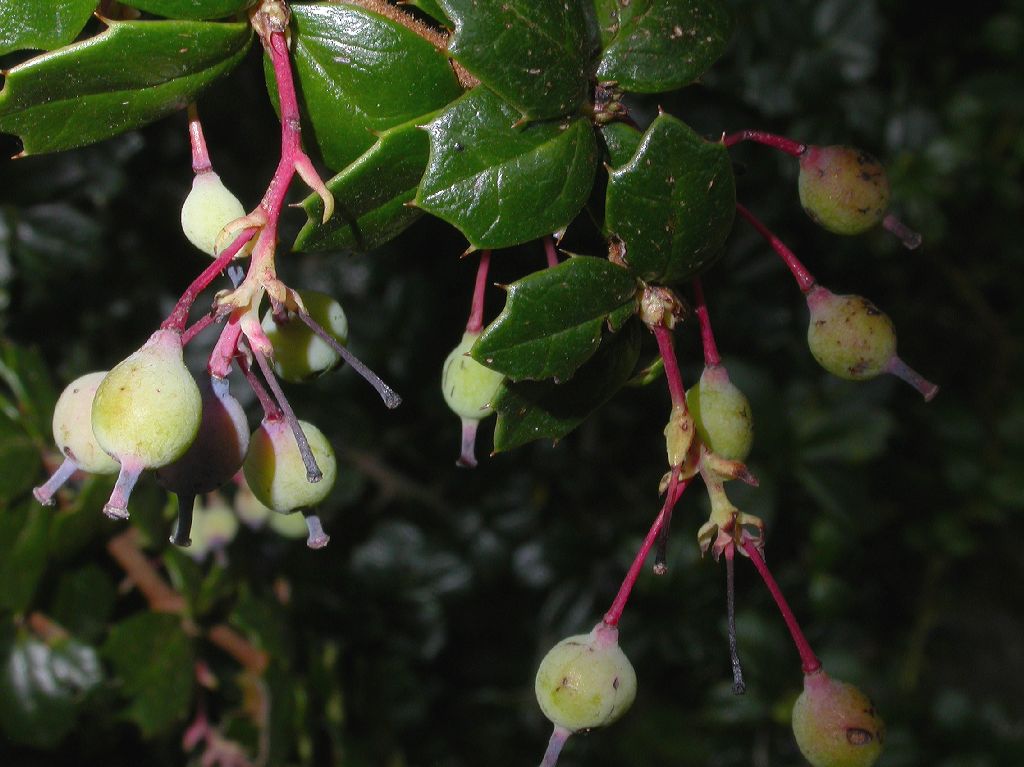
(534,53)
(673,204)
(661,45)
(360,73)
(43,688)
(552,320)
(500,184)
(370,195)
(23,371)
(129,75)
(84,601)
(24,530)
(530,410)
(19,461)
(31,24)
(152,657)
(191,9)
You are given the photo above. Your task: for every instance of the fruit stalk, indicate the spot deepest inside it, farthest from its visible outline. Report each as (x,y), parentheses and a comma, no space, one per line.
(809,661)
(313,473)
(783,144)
(803,277)
(672,495)
(475,323)
(672,375)
(707,335)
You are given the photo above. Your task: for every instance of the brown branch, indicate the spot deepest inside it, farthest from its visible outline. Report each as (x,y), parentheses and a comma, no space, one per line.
(238,647)
(126,552)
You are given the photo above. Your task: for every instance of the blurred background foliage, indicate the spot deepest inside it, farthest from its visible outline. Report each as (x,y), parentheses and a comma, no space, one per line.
(412,639)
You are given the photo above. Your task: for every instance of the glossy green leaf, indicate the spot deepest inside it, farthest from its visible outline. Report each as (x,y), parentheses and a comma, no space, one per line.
(43,688)
(370,195)
(660,45)
(191,9)
(23,542)
(153,660)
(433,9)
(31,24)
(502,184)
(530,410)
(360,73)
(607,14)
(131,74)
(673,203)
(621,141)
(534,53)
(552,320)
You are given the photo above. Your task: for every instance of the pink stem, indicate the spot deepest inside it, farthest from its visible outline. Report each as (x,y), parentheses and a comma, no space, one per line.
(550,251)
(904,372)
(196,328)
(672,374)
(672,494)
(178,317)
(907,236)
(476,313)
(45,492)
(803,277)
(808,659)
(467,455)
(555,745)
(707,336)
(783,144)
(200,156)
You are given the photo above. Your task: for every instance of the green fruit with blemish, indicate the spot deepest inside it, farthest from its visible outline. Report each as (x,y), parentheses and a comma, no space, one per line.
(849,336)
(276,473)
(843,189)
(586,680)
(722,414)
(469,388)
(835,724)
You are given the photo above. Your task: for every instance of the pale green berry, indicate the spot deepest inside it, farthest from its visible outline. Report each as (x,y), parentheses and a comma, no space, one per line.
(722,414)
(214,526)
(146,413)
(208,208)
(469,388)
(843,189)
(72,426)
(586,681)
(148,407)
(276,473)
(848,335)
(299,353)
(217,452)
(249,509)
(288,525)
(836,725)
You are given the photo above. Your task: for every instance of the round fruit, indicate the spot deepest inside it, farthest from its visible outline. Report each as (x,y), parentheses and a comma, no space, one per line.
(72,426)
(209,207)
(722,414)
(835,724)
(289,525)
(469,388)
(842,188)
(276,473)
(849,336)
(299,353)
(586,681)
(217,452)
(148,408)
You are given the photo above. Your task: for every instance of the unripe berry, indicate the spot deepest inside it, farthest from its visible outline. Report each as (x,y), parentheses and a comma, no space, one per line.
(209,207)
(72,432)
(276,473)
(835,724)
(146,413)
(851,338)
(72,425)
(249,509)
(469,388)
(722,414)
(289,525)
(586,681)
(217,452)
(842,188)
(214,526)
(299,353)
